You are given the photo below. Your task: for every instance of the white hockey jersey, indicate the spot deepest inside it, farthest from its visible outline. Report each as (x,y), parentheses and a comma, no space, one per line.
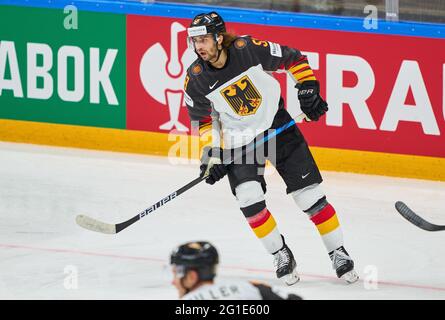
(239,290)
(243,96)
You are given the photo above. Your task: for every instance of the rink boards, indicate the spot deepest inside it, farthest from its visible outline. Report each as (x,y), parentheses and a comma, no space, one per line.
(110,77)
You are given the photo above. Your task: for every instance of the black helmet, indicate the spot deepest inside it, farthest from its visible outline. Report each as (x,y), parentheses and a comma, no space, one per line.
(212,21)
(200,256)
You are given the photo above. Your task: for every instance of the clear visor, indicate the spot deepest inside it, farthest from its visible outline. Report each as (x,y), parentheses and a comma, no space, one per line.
(178,271)
(196,34)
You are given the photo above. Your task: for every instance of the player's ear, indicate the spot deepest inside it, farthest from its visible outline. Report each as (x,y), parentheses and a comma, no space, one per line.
(193,277)
(220,39)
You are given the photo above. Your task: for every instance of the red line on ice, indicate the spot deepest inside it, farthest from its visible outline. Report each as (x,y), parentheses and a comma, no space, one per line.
(118,256)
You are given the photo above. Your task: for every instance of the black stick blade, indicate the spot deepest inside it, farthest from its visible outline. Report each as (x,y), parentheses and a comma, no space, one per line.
(412,217)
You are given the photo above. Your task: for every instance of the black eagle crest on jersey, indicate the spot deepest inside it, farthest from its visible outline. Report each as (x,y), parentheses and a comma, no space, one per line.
(242,96)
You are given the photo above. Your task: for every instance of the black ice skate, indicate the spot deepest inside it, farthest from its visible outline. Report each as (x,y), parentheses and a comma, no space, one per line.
(343,265)
(285,265)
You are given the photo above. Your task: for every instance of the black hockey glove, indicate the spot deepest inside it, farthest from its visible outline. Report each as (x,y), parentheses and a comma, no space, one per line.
(211,165)
(311,102)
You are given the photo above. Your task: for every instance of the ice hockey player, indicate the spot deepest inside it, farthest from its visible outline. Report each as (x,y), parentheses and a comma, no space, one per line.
(230,93)
(194,267)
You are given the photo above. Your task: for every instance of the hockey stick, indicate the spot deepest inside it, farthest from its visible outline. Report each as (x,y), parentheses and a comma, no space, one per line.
(412,217)
(108,228)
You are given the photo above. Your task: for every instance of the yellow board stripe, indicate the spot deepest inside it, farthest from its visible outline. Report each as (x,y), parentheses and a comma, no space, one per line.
(379,163)
(120,140)
(265,228)
(329,225)
(153,143)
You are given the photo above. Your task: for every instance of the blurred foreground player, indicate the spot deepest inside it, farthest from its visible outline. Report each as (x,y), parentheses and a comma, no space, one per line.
(194,269)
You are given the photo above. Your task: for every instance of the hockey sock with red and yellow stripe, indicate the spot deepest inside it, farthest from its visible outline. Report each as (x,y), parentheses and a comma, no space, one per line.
(323,215)
(264,226)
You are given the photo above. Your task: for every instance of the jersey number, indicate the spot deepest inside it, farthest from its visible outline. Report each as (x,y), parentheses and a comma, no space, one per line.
(260,42)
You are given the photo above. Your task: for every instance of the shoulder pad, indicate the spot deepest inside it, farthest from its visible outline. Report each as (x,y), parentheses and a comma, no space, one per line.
(241,42)
(195,68)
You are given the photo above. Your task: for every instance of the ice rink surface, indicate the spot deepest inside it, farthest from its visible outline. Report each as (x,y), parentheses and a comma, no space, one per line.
(44,254)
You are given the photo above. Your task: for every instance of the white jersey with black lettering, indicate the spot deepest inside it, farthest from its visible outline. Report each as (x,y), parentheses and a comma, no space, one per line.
(238,290)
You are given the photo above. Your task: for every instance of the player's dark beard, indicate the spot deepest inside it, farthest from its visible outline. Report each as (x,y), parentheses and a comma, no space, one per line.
(211,56)
(216,56)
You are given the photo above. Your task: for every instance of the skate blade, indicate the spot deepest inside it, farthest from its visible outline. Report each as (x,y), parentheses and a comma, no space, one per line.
(350,277)
(291,278)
